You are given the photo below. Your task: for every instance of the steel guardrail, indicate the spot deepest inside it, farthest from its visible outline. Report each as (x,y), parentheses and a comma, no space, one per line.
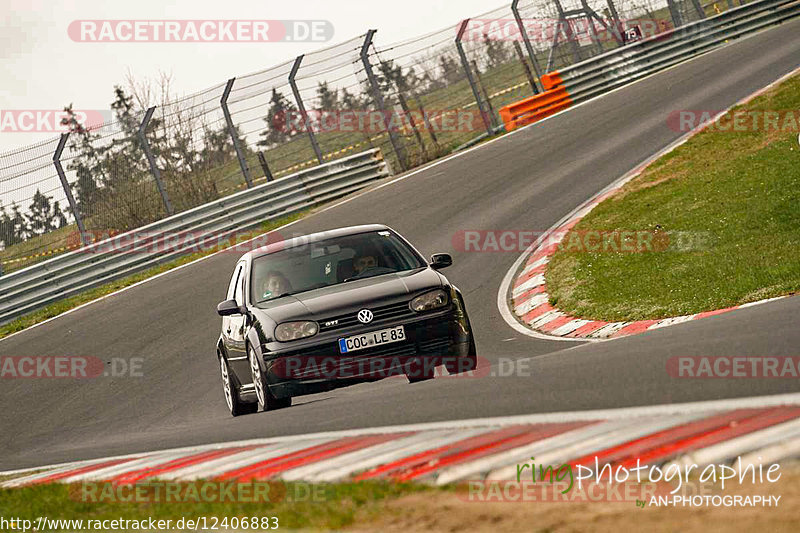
(31,288)
(615,68)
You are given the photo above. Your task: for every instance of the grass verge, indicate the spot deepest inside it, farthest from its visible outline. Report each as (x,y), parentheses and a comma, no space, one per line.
(66,304)
(295,505)
(726,202)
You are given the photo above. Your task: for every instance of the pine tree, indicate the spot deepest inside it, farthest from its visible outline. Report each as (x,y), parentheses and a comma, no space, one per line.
(496,52)
(277,130)
(43,216)
(328,99)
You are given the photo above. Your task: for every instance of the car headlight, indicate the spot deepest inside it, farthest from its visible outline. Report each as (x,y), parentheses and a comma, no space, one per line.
(429,301)
(290,331)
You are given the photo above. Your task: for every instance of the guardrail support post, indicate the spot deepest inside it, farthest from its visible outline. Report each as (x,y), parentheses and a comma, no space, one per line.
(232,131)
(528,46)
(152,160)
(465,63)
(299,100)
(399,149)
(62,142)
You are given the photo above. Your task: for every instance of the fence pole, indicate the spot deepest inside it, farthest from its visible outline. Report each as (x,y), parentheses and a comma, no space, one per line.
(263,161)
(152,160)
(528,73)
(485,94)
(232,131)
(399,149)
(465,63)
(675,13)
(699,8)
(62,142)
(528,46)
(299,100)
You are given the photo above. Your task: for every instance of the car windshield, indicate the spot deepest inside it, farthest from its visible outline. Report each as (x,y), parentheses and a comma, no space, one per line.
(328,262)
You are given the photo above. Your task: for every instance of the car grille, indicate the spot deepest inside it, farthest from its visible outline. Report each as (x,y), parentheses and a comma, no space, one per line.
(384,312)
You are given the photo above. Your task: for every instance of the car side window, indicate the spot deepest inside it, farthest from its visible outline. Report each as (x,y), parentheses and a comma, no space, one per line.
(239,293)
(234,279)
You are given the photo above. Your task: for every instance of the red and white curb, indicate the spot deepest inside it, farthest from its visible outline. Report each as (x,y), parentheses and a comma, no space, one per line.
(529,300)
(758,430)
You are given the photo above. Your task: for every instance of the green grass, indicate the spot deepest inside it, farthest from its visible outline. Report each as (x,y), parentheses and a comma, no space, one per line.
(739,191)
(66,304)
(301,505)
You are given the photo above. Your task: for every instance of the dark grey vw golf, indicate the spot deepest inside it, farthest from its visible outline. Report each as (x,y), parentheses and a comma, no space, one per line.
(333,309)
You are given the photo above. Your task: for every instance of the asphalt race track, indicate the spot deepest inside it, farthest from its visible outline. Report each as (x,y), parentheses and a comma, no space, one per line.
(524,181)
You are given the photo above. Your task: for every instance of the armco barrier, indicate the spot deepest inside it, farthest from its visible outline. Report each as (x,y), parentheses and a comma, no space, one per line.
(605,72)
(28,289)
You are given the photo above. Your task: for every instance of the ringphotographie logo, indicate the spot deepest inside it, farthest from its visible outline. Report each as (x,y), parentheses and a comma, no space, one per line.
(49,120)
(199,31)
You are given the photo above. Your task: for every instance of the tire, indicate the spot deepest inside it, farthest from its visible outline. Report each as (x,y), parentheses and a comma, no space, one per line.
(266,401)
(468,363)
(231,392)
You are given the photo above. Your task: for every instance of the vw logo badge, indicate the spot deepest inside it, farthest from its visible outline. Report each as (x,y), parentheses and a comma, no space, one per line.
(365,316)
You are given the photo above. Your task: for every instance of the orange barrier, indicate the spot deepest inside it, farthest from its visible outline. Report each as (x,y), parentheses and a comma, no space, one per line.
(551,80)
(536,107)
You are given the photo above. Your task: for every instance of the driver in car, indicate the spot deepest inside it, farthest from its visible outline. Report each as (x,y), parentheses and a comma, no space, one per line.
(274,284)
(364,262)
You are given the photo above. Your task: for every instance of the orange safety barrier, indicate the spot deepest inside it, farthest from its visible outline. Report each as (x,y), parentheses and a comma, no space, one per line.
(536,107)
(551,80)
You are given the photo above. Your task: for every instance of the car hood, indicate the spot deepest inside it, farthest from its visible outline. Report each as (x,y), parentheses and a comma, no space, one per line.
(351,296)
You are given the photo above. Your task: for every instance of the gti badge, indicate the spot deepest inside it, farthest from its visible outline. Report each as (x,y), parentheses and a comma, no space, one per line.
(365,316)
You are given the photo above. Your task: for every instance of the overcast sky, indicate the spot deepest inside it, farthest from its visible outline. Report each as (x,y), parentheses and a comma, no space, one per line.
(44,69)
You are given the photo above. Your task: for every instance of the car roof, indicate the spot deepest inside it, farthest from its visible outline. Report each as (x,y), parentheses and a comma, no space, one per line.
(283,244)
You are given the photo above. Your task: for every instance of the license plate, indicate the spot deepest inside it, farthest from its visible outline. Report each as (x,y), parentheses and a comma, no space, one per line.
(373,338)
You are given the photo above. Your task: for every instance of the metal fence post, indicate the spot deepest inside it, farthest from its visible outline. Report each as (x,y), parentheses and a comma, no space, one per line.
(528,74)
(152,160)
(482,87)
(699,8)
(62,142)
(675,13)
(232,131)
(465,63)
(527,41)
(399,149)
(264,167)
(299,100)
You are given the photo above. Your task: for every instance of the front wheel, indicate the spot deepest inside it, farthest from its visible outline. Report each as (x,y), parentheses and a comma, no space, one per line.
(467,363)
(266,401)
(235,405)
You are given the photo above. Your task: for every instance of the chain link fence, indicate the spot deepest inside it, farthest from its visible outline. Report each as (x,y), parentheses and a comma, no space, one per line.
(416,100)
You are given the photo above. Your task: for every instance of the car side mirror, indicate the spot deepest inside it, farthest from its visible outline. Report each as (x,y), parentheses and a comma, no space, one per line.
(441,261)
(228,307)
